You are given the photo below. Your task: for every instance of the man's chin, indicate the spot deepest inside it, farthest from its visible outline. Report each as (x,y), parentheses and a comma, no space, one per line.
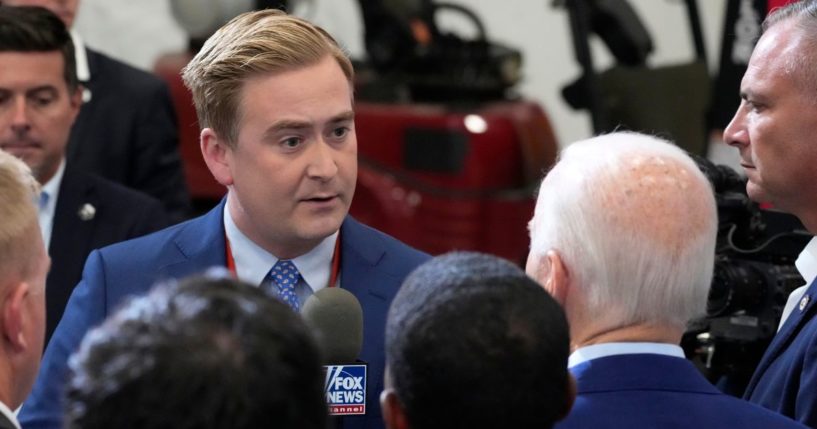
(323,227)
(757,193)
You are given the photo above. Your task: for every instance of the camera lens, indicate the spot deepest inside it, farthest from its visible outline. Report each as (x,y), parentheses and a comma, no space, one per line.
(735,285)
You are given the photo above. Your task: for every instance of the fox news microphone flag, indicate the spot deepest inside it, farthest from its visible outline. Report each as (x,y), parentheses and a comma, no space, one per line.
(336,319)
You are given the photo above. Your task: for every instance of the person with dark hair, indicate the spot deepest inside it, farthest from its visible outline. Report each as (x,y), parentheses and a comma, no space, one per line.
(274,96)
(472,342)
(774,129)
(126,129)
(204,353)
(40,98)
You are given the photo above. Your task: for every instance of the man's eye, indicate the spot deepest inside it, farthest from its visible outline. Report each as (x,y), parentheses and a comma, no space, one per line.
(340,132)
(291,142)
(753,106)
(42,100)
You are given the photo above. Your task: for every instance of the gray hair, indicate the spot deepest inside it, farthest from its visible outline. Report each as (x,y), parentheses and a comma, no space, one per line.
(803,14)
(635,222)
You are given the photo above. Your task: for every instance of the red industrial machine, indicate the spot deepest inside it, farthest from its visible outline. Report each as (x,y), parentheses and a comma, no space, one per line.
(442,179)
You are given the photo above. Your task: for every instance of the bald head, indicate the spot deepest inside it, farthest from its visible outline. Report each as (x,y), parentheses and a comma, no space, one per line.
(634,221)
(651,195)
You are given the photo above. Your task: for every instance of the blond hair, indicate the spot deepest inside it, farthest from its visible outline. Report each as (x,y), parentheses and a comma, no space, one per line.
(253,43)
(18,216)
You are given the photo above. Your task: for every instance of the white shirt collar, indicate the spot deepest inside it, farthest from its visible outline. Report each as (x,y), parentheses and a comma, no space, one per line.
(252,263)
(9,415)
(806,263)
(81,58)
(46,212)
(596,351)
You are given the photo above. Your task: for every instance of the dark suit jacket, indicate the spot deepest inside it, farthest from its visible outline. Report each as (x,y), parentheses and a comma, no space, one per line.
(373,265)
(661,392)
(5,423)
(127,133)
(120,214)
(786,377)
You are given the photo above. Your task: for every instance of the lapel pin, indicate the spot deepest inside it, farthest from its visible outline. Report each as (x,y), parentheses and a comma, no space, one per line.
(804,302)
(86,212)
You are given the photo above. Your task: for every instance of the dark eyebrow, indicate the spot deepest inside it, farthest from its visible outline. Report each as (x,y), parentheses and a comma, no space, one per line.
(343,117)
(44,88)
(287,124)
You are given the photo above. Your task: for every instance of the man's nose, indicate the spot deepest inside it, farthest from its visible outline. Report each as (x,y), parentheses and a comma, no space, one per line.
(322,162)
(735,133)
(20,120)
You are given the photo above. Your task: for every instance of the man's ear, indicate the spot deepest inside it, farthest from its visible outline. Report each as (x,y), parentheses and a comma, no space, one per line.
(12,313)
(556,278)
(571,396)
(75,101)
(214,151)
(393,415)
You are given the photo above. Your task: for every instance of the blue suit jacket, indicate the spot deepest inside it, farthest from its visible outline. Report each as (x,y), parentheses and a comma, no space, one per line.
(656,391)
(786,377)
(373,265)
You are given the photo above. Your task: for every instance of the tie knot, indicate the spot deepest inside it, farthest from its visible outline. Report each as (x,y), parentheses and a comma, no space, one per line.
(285,276)
(285,270)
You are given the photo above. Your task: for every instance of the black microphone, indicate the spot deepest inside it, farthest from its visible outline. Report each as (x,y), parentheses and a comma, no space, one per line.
(336,318)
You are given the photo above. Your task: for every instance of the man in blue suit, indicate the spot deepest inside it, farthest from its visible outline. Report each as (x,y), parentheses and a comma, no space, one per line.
(624,238)
(774,129)
(274,97)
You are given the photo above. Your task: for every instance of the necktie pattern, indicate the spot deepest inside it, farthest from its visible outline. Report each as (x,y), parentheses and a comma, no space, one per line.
(285,276)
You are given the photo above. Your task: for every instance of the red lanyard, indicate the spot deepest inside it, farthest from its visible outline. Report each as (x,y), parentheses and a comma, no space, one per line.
(333,277)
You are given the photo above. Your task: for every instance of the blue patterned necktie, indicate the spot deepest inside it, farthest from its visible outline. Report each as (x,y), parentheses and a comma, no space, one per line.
(284,277)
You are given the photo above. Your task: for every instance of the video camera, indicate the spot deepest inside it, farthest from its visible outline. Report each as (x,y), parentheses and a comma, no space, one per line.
(753,277)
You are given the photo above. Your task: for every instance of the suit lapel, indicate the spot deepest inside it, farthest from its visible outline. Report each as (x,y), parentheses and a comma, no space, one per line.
(71,235)
(199,245)
(360,255)
(5,422)
(797,319)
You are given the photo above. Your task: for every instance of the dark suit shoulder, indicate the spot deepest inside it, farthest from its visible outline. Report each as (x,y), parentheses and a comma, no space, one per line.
(112,72)
(125,198)
(649,390)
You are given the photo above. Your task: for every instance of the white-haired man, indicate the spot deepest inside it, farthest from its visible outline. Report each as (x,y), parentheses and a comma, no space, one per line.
(624,238)
(23,267)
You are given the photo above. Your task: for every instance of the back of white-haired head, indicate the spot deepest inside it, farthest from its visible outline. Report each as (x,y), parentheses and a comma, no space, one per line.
(18,215)
(635,223)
